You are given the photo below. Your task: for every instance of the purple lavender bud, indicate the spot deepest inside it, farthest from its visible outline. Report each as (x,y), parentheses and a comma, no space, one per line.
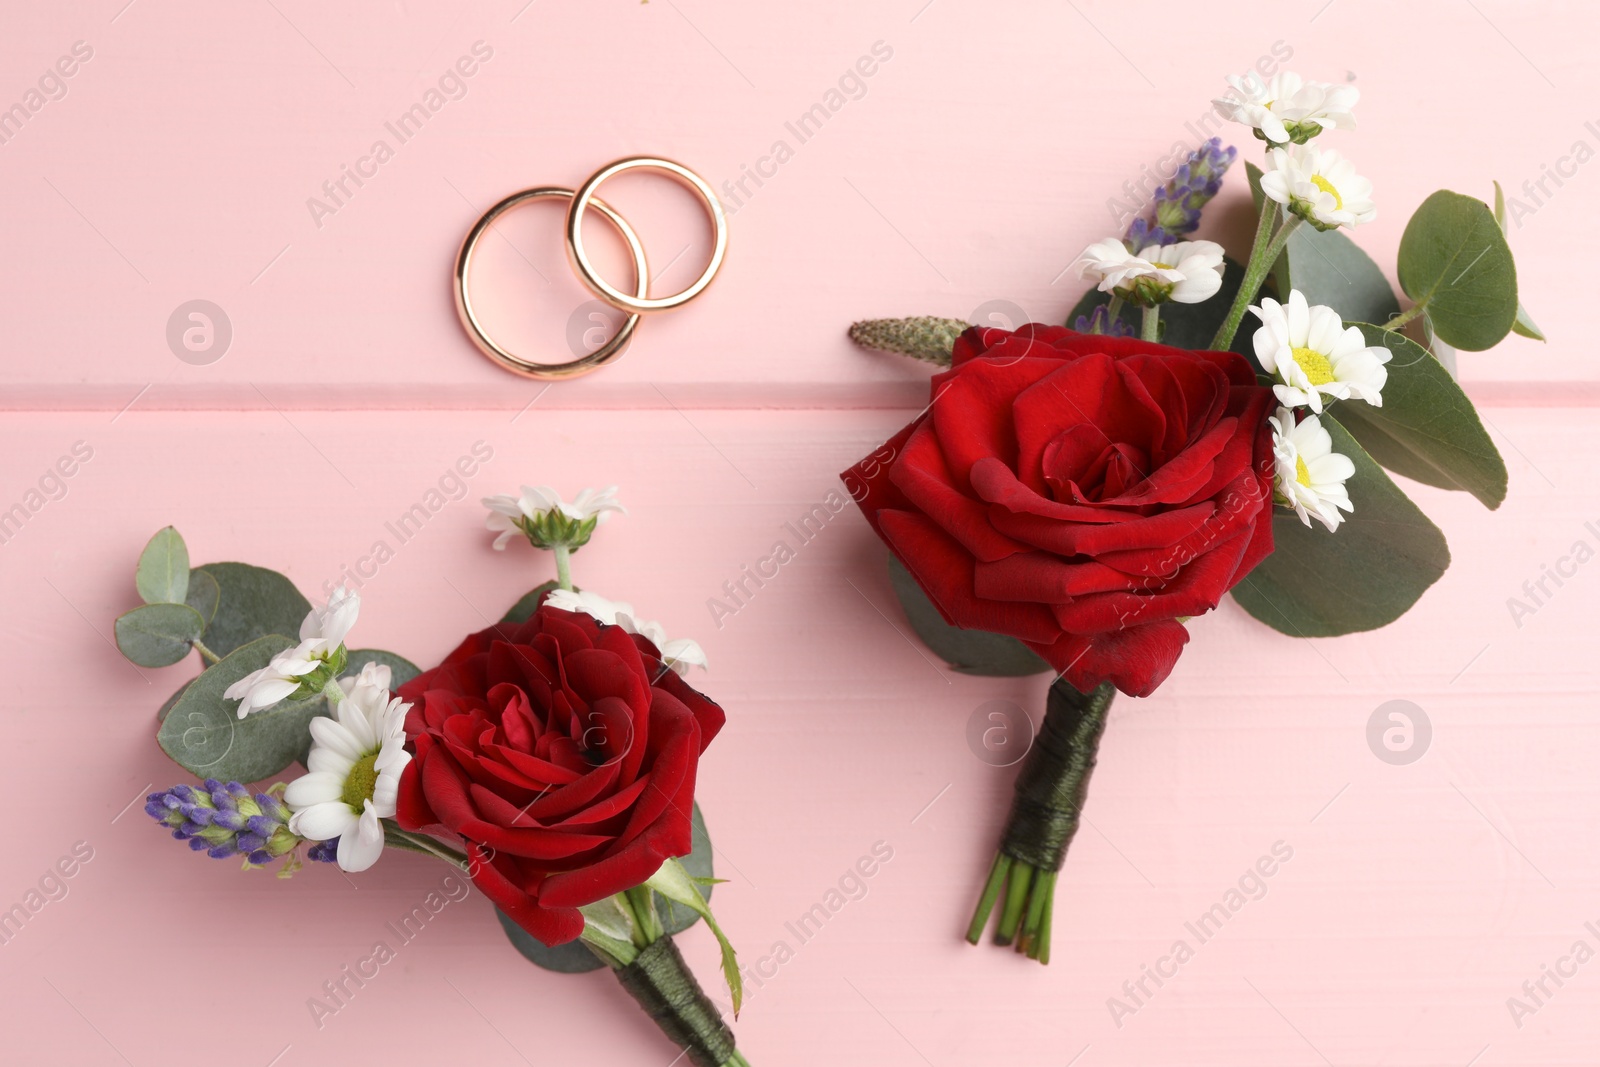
(324,851)
(1176,206)
(225,820)
(1100,321)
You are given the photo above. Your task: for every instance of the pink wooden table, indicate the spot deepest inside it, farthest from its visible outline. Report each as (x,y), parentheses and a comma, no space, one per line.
(971,165)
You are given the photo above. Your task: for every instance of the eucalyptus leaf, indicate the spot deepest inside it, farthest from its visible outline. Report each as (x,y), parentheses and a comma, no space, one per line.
(573,957)
(253,602)
(1329,268)
(204,734)
(1454,261)
(1426,429)
(162,576)
(158,635)
(401,670)
(524,608)
(1523,325)
(1365,574)
(204,594)
(161,713)
(968,651)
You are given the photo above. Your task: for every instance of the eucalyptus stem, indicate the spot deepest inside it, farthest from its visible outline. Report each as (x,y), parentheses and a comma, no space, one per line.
(563,556)
(205,653)
(1405,316)
(1151,325)
(1262,257)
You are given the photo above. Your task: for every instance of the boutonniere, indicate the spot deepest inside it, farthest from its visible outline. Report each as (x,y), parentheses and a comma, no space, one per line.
(1074,498)
(549,760)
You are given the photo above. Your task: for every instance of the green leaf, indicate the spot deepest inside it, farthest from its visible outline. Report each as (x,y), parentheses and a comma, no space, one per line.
(204,734)
(204,594)
(401,670)
(523,609)
(158,635)
(674,883)
(676,917)
(1365,574)
(1523,325)
(161,713)
(1426,429)
(162,576)
(1329,268)
(1454,261)
(252,603)
(573,957)
(968,651)
(1182,325)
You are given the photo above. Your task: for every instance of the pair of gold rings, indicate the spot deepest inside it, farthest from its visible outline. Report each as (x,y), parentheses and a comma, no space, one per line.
(638,303)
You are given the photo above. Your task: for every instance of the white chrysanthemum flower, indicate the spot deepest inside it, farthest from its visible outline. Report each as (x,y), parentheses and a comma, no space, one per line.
(1110,265)
(1286,108)
(321,634)
(1310,474)
(1312,353)
(1319,185)
(539,511)
(1187,272)
(353,772)
(680,654)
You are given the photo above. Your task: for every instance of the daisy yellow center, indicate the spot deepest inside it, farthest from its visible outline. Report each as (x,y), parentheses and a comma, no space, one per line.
(1326,186)
(1318,370)
(1302,473)
(1165,266)
(360,783)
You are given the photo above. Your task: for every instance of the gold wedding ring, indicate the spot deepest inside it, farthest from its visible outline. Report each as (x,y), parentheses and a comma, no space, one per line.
(638,303)
(641,303)
(509,360)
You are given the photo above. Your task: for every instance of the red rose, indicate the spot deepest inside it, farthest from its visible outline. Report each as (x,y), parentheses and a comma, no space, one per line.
(563,752)
(1081,493)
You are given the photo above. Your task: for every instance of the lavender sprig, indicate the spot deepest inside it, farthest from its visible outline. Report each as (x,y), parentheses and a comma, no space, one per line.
(1177,204)
(223,819)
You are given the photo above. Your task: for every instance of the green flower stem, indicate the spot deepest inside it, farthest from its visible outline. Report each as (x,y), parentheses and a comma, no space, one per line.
(394,837)
(205,653)
(1263,253)
(1151,330)
(1406,316)
(1113,308)
(333,692)
(1050,791)
(991,894)
(563,556)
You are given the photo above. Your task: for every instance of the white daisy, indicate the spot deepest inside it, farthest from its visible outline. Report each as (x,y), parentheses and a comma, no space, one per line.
(354,769)
(540,514)
(321,635)
(1313,354)
(680,654)
(1319,185)
(1187,272)
(1287,108)
(1310,474)
(1110,265)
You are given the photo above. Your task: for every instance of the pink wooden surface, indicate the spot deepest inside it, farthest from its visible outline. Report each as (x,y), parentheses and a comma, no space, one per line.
(1418,899)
